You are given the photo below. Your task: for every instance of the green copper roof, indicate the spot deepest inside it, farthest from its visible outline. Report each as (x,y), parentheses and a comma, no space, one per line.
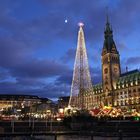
(109,44)
(129,77)
(98,88)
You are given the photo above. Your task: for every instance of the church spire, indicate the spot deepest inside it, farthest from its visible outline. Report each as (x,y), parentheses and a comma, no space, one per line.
(109,44)
(108,29)
(107,18)
(110,64)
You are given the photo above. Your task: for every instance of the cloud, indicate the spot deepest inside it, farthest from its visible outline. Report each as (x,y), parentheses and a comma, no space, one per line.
(133,60)
(69,55)
(48,90)
(23,69)
(121,46)
(12,52)
(40,68)
(54,90)
(18,59)
(35,70)
(4,74)
(65,78)
(96,75)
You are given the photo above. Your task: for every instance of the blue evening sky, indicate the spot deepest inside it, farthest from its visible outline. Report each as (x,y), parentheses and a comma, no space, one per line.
(37,46)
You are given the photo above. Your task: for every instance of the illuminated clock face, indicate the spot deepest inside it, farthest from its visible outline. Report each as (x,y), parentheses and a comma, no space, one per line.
(106,78)
(115,70)
(106,82)
(105,70)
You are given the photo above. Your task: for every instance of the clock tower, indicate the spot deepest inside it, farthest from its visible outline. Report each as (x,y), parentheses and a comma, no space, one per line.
(110,63)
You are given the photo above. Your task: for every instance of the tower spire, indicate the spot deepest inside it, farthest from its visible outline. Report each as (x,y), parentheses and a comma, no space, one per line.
(107,17)
(107,28)
(109,44)
(110,62)
(81,83)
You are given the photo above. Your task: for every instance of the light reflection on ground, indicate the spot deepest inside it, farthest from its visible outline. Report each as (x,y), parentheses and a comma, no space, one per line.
(74,137)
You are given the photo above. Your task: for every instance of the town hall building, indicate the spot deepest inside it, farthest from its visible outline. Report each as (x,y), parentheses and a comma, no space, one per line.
(116,89)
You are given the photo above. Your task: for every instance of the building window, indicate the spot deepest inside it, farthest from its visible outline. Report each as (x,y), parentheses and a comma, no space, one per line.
(132,101)
(131,83)
(106,83)
(136,82)
(137,100)
(106,70)
(115,70)
(134,90)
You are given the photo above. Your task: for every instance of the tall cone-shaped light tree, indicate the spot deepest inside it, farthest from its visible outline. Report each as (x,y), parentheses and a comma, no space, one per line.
(81,82)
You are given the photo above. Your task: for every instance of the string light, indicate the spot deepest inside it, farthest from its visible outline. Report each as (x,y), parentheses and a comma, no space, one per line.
(81,83)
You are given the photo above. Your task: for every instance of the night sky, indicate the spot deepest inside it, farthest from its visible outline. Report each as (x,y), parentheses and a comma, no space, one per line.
(38,40)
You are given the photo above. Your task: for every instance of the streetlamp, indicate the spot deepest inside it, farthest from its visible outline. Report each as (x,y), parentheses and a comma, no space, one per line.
(58,120)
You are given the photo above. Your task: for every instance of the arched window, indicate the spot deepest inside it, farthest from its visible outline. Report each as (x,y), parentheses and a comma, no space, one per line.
(106,70)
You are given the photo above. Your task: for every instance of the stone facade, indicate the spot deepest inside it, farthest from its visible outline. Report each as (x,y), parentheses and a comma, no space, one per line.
(116,89)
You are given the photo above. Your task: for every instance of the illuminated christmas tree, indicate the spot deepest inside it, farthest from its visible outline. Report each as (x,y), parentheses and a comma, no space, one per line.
(81,83)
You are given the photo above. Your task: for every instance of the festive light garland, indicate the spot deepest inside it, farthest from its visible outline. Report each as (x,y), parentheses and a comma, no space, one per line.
(81,83)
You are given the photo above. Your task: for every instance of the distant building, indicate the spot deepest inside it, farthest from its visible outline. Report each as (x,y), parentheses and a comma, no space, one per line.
(11,100)
(47,106)
(63,101)
(25,103)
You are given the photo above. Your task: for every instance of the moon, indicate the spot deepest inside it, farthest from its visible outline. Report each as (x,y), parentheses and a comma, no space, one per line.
(66,21)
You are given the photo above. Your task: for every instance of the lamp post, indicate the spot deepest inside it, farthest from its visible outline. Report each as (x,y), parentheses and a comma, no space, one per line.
(58,120)
(12,125)
(29,117)
(51,123)
(46,115)
(33,121)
